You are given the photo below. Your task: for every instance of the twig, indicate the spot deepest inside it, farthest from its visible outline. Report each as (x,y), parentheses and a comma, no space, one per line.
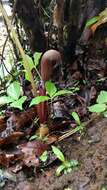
(7,69)
(2,59)
(45,12)
(73,131)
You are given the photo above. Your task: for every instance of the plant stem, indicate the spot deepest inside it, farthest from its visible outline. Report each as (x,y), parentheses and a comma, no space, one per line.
(38,73)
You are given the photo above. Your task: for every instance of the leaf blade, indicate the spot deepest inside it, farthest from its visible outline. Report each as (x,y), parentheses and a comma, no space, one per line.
(31,66)
(102,97)
(50,88)
(37,56)
(60,169)
(14,90)
(30,61)
(92,21)
(76,117)
(62,92)
(44,156)
(5,100)
(58,153)
(38,100)
(18,103)
(97,108)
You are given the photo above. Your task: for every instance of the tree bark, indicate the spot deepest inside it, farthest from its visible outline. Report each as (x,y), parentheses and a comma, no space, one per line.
(28,13)
(76,14)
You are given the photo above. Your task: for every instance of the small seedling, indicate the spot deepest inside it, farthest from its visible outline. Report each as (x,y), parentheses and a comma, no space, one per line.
(13,96)
(52,92)
(44,156)
(101,104)
(33,137)
(80,126)
(36,137)
(67,165)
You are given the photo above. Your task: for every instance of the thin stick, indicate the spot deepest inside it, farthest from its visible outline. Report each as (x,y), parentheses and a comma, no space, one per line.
(73,131)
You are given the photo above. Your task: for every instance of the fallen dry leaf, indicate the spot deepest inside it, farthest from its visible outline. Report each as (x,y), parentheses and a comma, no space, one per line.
(11,138)
(6,159)
(32,150)
(2,123)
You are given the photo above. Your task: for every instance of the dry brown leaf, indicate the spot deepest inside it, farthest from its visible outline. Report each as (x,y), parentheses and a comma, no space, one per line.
(11,139)
(32,150)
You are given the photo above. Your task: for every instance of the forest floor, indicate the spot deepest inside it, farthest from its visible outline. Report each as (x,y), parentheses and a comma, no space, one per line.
(90,151)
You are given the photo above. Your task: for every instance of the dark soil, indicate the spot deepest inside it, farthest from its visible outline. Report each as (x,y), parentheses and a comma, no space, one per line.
(90,151)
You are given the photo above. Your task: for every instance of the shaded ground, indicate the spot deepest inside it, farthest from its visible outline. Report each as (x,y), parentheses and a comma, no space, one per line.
(90,151)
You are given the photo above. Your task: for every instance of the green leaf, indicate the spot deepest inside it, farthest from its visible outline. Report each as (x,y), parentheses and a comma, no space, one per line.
(14,90)
(62,92)
(68,170)
(104,188)
(92,21)
(74,89)
(74,163)
(60,169)
(76,117)
(38,100)
(18,103)
(50,88)
(37,56)
(97,108)
(30,61)
(105,114)
(58,153)
(31,66)
(67,164)
(5,100)
(33,137)
(27,76)
(102,97)
(44,156)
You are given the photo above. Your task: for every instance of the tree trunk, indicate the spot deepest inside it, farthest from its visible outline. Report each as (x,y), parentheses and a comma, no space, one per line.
(28,13)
